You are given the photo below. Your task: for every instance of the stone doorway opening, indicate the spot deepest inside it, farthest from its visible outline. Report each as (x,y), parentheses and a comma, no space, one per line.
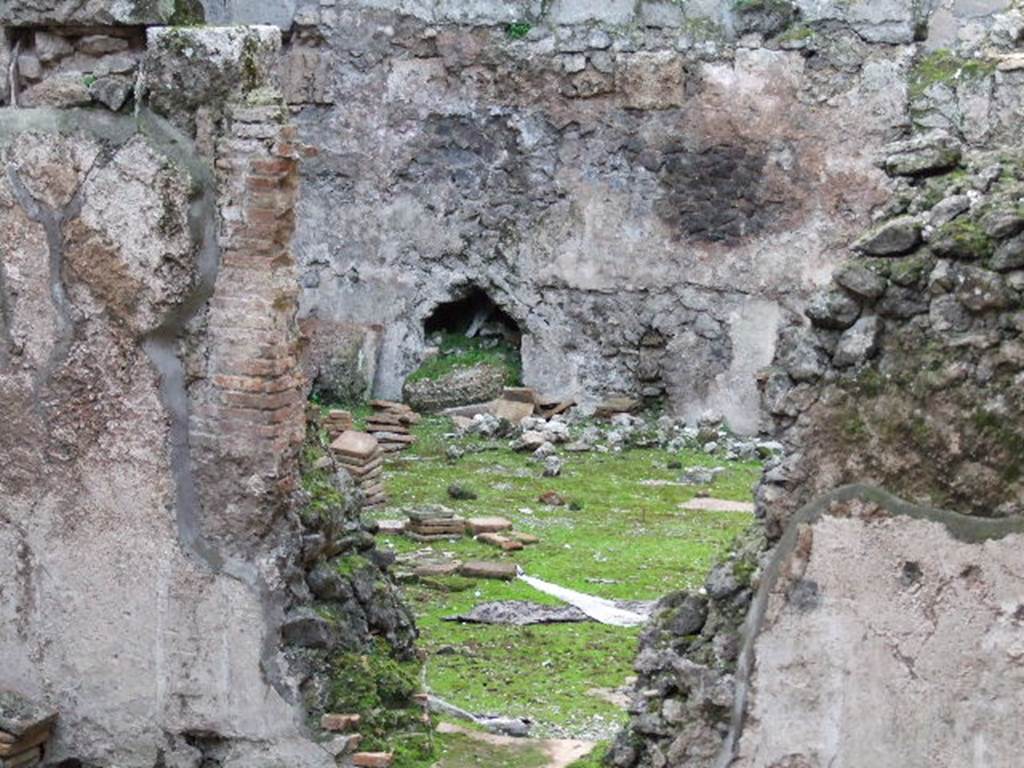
(473,315)
(471,353)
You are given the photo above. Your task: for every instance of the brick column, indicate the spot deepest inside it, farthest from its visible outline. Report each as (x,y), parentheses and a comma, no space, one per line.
(250,419)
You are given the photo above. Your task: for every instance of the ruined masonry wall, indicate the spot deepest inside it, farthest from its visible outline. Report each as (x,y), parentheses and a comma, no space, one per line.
(152,408)
(649,189)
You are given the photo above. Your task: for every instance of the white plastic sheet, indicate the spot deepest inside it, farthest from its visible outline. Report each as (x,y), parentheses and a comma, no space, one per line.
(597,608)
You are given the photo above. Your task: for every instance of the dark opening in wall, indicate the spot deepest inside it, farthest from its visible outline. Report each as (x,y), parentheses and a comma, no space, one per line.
(474,316)
(471,354)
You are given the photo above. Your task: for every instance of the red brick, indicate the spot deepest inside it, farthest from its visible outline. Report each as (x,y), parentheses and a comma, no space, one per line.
(340,723)
(373,759)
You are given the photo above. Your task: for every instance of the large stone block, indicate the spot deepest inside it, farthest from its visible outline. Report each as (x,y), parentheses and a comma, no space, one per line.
(583,11)
(191,67)
(39,13)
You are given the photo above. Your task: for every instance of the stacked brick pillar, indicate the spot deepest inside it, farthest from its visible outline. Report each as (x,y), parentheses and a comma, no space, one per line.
(252,414)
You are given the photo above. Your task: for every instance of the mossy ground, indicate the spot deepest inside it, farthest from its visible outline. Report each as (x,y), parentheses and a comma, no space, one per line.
(458,352)
(626,527)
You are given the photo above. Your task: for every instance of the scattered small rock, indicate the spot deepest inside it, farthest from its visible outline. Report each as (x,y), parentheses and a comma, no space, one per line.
(461,492)
(552,466)
(552,499)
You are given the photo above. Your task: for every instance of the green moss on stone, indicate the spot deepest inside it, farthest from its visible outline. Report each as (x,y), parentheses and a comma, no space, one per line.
(517,30)
(188,13)
(796,34)
(459,352)
(967,238)
(944,66)
(911,270)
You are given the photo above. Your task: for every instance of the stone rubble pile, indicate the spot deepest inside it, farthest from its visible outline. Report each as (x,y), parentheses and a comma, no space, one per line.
(435,522)
(336,422)
(360,455)
(25,728)
(390,424)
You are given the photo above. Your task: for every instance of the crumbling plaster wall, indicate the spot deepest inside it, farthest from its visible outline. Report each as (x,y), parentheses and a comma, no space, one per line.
(848,669)
(623,169)
(152,406)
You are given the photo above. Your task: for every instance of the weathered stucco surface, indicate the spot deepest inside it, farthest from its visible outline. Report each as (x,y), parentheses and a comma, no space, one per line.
(889,642)
(142,585)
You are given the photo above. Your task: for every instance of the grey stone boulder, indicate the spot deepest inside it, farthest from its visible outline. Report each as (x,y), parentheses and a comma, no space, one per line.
(832,309)
(981,290)
(766,18)
(800,355)
(722,582)
(63,90)
(51,47)
(1002,223)
(305,628)
(902,303)
(947,314)
(552,466)
(112,91)
(327,584)
(923,155)
(858,343)
(462,386)
(682,613)
(948,209)
(860,281)
(1008,255)
(894,237)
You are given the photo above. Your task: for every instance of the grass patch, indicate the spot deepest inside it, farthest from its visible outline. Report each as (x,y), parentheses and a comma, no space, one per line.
(457,750)
(517,30)
(459,352)
(596,758)
(944,66)
(627,527)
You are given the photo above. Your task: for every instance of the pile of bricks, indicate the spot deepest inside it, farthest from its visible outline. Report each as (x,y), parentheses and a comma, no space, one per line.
(434,522)
(336,422)
(25,727)
(390,424)
(360,455)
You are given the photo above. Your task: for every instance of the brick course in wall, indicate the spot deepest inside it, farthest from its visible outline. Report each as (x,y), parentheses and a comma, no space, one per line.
(251,412)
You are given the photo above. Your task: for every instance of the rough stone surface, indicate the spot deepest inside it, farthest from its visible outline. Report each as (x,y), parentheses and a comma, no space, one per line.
(149,549)
(100,13)
(853,675)
(463,386)
(891,239)
(188,68)
(562,172)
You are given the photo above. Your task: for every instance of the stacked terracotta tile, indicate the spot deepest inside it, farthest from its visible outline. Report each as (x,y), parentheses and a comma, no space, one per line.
(336,422)
(359,453)
(25,728)
(390,424)
(432,522)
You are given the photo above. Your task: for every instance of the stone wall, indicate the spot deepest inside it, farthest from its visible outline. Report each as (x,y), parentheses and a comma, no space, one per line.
(904,372)
(916,665)
(611,173)
(152,405)
(606,184)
